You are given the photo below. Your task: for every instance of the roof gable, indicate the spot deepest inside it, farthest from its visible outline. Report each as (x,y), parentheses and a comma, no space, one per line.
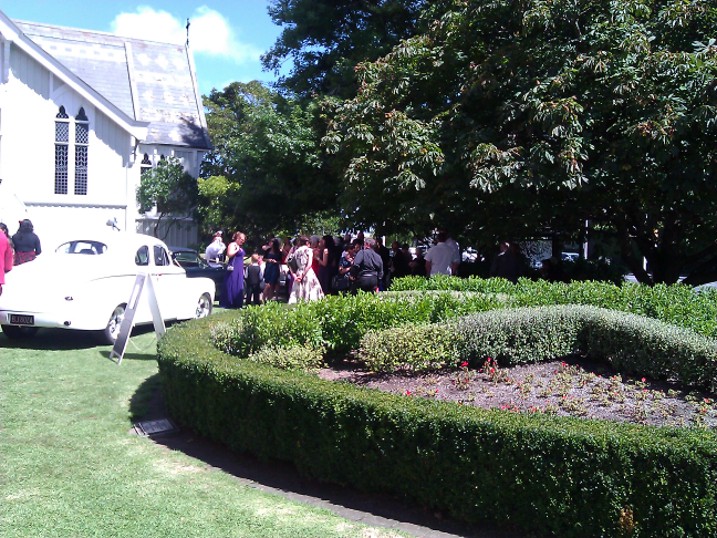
(148,81)
(10,33)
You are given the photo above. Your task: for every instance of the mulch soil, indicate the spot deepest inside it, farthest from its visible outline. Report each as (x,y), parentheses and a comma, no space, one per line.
(573,386)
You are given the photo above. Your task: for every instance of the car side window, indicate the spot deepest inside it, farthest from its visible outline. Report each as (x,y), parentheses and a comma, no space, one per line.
(160,256)
(142,256)
(82,247)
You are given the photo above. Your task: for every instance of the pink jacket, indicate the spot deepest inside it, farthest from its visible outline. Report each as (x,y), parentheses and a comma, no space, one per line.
(5,257)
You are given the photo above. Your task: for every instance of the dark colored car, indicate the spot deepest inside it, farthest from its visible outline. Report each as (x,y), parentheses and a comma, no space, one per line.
(196,266)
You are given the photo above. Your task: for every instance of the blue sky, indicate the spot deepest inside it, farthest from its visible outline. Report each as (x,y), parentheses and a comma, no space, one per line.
(226,37)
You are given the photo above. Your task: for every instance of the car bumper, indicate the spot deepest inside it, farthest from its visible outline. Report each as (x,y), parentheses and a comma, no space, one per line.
(44,320)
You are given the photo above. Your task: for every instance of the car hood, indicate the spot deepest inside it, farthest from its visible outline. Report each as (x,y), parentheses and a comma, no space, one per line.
(52,274)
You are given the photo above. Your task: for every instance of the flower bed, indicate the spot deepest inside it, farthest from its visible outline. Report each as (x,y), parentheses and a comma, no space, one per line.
(575,387)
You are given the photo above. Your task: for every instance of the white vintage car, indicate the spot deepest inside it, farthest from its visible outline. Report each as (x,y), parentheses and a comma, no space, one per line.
(87,282)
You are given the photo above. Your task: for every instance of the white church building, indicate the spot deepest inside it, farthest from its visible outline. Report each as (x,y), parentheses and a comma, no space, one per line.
(82,115)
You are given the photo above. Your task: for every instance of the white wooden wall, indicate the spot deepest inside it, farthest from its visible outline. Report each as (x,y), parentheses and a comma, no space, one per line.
(183,233)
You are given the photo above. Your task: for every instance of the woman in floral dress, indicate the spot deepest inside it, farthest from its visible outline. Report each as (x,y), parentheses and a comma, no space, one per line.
(306,285)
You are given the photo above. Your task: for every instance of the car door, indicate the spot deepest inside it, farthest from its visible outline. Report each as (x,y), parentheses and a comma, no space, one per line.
(168,280)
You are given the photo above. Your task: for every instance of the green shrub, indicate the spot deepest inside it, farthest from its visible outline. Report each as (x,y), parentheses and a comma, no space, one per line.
(345,319)
(337,323)
(295,357)
(517,335)
(631,344)
(272,325)
(677,303)
(640,346)
(410,347)
(510,336)
(546,475)
(540,474)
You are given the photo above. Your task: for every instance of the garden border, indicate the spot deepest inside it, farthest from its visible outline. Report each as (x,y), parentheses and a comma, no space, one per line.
(553,475)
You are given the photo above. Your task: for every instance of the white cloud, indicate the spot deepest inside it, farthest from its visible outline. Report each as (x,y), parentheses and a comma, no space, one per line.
(209,32)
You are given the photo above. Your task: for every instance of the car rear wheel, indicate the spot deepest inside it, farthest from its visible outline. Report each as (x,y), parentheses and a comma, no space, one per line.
(14,332)
(111,331)
(204,306)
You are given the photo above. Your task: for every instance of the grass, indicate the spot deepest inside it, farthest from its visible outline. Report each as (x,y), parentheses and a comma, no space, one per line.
(69,466)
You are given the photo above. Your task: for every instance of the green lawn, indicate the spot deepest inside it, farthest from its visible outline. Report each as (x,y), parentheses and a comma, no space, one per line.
(69,466)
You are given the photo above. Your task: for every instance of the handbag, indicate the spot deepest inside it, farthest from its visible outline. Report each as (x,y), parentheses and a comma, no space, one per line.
(367,280)
(292,262)
(340,283)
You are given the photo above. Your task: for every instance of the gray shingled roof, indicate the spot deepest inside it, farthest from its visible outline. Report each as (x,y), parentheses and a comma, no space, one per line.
(148,81)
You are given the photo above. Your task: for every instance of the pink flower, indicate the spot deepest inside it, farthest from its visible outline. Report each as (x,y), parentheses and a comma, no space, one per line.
(408,393)
(464,364)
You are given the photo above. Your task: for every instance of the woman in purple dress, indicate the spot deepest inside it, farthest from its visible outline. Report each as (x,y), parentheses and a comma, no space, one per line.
(233,296)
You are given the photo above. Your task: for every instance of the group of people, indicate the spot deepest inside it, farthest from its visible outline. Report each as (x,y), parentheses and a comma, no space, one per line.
(509,263)
(320,266)
(255,283)
(21,248)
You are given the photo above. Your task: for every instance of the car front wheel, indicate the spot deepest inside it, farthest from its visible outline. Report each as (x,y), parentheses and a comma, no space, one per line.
(112,330)
(204,306)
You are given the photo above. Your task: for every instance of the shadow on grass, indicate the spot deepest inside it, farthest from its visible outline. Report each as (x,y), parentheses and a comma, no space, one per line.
(62,339)
(144,403)
(282,478)
(51,339)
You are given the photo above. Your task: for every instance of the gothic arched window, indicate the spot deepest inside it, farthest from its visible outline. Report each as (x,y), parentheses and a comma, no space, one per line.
(82,141)
(77,134)
(62,143)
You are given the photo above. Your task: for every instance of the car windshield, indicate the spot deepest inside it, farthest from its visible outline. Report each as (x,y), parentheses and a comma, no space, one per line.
(187,259)
(82,246)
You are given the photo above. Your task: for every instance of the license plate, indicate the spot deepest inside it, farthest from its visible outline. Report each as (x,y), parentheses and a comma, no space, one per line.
(22,319)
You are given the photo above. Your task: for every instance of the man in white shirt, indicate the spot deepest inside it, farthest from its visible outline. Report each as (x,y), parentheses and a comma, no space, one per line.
(215,250)
(441,258)
(456,248)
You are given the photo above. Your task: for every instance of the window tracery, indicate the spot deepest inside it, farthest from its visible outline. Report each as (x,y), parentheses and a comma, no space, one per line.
(76,134)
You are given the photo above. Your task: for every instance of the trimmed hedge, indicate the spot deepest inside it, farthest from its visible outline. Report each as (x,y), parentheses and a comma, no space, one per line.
(631,344)
(677,304)
(551,475)
(338,322)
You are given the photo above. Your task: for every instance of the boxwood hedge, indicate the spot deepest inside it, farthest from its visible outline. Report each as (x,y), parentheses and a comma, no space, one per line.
(338,323)
(631,344)
(677,304)
(550,475)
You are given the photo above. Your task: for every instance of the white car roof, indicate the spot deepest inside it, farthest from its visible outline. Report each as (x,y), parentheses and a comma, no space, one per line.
(119,240)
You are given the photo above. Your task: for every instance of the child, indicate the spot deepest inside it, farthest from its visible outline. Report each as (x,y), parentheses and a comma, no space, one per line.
(254,280)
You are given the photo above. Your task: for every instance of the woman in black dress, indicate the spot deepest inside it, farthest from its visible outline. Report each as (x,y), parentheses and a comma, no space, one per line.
(26,243)
(272,258)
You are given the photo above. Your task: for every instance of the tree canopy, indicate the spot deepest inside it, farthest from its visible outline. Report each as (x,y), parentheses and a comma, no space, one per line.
(266,161)
(170,189)
(539,115)
(325,39)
